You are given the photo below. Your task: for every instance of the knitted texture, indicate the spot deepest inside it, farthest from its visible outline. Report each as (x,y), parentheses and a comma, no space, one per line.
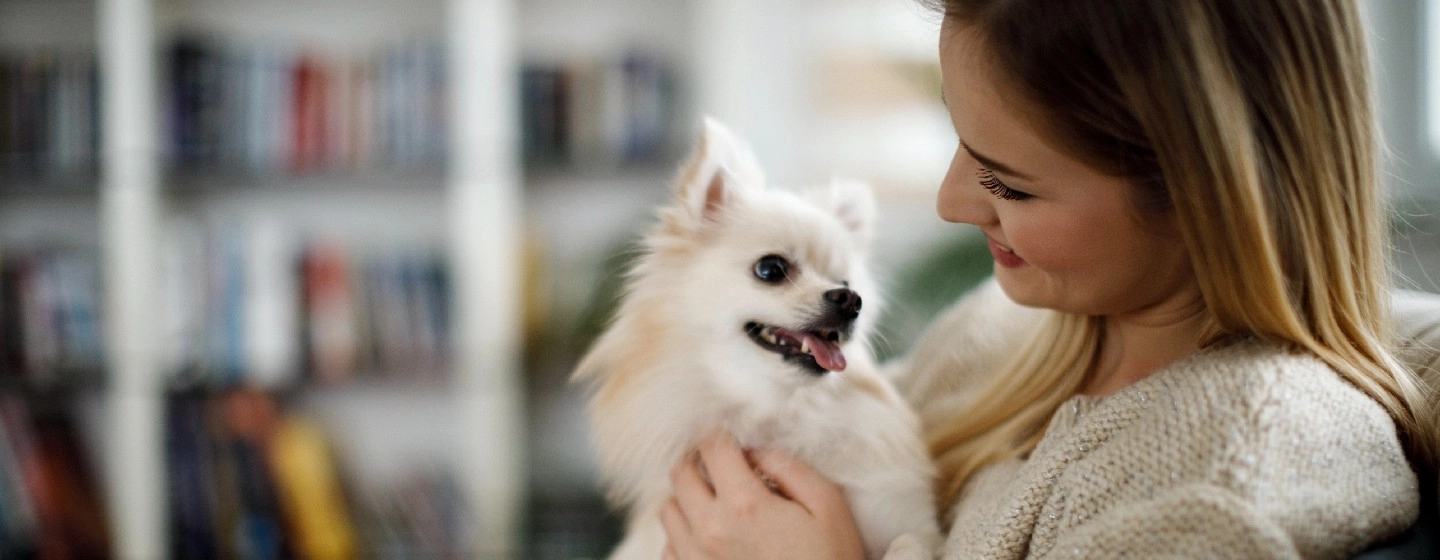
(1246,450)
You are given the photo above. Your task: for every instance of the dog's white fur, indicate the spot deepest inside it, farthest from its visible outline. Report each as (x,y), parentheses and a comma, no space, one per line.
(676,362)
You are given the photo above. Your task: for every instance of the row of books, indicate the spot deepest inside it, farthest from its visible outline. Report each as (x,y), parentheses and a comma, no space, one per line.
(248,479)
(254,306)
(49,501)
(50,318)
(267,110)
(264,109)
(48,114)
(600,112)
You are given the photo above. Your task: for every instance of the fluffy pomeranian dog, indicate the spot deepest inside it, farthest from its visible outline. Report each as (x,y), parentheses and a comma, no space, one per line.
(747,311)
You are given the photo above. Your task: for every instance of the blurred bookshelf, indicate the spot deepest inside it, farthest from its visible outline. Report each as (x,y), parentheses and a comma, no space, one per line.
(53,370)
(305,278)
(222,223)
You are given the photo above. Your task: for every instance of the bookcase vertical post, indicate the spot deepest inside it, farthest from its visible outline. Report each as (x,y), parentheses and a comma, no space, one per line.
(129,201)
(485,208)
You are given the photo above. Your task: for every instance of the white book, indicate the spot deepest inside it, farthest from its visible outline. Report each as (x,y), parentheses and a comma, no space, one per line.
(271,305)
(40,333)
(182,279)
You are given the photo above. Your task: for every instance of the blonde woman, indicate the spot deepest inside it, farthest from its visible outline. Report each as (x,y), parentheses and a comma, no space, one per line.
(1189,357)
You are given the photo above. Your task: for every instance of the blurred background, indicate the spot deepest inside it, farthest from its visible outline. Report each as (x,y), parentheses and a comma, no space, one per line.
(305,278)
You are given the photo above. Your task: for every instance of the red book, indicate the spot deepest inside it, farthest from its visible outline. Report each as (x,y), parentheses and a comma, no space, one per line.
(311,120)
(64,499)
(330,315)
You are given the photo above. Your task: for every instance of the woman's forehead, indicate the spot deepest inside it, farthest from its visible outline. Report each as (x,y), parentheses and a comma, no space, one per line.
(991,116)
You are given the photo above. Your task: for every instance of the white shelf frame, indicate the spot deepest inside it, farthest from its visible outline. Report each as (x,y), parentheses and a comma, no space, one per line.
(129,204)
(485,202)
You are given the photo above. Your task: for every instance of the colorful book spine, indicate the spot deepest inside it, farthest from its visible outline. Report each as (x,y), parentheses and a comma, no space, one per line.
(48,115)
(310,492)
(49,502)
(250,479)
(266,109)
(599,113)
(255,305)
(50,318)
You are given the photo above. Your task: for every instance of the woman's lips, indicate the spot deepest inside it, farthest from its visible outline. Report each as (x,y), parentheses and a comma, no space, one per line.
(1003,255)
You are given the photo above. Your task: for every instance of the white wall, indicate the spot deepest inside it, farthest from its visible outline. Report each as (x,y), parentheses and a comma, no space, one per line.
(1404,47)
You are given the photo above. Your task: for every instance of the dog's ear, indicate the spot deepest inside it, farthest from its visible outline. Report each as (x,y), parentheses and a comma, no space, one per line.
(721,168)
(853,203)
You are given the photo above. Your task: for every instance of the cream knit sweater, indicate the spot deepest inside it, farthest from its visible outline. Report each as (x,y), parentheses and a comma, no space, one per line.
(1241,451)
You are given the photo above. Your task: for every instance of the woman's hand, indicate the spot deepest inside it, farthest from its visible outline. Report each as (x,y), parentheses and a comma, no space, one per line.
(724,509)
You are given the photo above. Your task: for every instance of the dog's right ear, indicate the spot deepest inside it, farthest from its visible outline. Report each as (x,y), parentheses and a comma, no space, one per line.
(721,168)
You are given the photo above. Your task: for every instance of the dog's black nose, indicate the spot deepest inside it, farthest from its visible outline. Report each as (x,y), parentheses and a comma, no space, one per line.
(846,302)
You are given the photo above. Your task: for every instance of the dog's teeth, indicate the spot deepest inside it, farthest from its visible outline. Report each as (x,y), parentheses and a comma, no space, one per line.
(804,346)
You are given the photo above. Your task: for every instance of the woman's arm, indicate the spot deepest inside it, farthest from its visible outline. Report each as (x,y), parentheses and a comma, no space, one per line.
(724,508)
(1194,521)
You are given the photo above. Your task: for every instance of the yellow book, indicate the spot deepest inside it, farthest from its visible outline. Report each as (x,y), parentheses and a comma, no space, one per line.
(308,488)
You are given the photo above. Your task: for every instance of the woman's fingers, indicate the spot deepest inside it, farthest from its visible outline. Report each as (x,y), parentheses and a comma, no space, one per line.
(798,481)
(677,528)
(735,515)
(729,470)
(689,485)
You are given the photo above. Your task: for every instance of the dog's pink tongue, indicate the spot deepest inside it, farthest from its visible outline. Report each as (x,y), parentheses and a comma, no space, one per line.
(826,353)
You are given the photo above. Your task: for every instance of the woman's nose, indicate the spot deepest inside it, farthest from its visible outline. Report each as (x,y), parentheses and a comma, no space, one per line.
(961,199)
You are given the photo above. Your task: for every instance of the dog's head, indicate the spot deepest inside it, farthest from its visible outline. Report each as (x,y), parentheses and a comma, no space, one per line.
(746,271)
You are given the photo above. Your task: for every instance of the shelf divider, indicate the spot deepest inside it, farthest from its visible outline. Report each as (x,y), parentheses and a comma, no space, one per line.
(485,208)
(129,212)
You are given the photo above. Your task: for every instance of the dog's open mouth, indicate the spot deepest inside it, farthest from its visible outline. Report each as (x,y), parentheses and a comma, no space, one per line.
(816,350)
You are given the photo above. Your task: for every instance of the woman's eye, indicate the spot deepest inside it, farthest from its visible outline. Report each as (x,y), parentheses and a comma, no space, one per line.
(991,183)
(772,269)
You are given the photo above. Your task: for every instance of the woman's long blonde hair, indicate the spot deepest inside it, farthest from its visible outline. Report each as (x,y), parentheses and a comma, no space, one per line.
(1249,124)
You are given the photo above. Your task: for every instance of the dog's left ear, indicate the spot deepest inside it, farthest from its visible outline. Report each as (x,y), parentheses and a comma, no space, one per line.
(721,168)
(853,203)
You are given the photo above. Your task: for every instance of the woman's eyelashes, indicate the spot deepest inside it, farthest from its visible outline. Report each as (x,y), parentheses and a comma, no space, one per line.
(991,183)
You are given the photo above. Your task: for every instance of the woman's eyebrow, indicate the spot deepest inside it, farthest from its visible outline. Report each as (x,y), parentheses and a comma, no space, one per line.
(995,165)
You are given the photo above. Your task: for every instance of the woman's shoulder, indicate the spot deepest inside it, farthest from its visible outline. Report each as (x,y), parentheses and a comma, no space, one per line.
(1269,386)
(1258,394)
(1285,433)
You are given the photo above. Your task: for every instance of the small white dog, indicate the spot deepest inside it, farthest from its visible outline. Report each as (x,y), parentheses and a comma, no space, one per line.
(744,313)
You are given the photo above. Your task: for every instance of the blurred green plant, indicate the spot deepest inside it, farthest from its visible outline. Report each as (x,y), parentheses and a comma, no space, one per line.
(927,286)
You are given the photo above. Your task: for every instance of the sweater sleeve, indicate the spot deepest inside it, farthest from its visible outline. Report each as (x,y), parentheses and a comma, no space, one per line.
(1325,463)
(1309,467)
(1191,521)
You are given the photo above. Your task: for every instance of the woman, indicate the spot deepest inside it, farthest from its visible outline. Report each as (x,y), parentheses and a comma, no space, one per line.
(1182,195)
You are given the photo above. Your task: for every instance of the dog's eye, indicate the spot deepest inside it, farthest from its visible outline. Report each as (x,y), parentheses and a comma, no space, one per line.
(772,268)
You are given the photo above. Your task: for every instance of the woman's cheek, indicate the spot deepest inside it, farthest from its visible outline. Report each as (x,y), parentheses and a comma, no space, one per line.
(1047,242)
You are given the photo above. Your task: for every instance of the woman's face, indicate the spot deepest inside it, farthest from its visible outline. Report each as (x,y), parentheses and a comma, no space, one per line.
(1064,236)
